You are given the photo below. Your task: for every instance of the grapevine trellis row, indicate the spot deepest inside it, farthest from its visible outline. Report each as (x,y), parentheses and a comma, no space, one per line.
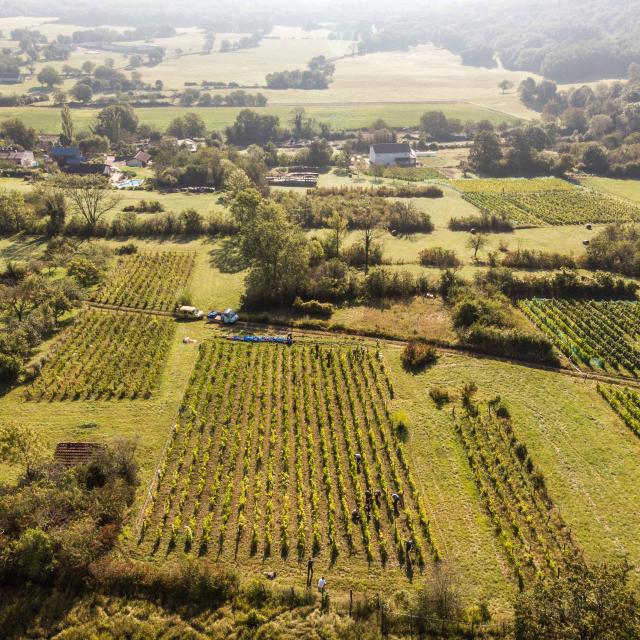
(556,207)
(280,452)
(536,540)
(625,402)
(149,280)
(105,355)
(597,334)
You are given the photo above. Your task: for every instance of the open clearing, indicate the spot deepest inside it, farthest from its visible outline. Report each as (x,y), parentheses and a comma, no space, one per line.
(628,189)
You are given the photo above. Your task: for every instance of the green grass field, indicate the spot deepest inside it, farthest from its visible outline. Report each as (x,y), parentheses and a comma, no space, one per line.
(589,458)
(627,189)
(340,115)
(424,74)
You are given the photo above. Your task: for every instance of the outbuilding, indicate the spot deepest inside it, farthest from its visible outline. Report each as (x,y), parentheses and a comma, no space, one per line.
(386,154)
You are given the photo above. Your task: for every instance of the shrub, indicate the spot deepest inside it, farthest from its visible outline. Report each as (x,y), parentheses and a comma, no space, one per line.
(418,354)
(439,257)
(405,218)
(127,249)
(512,343)
(313,307)
(528,259)
(185,299)
(384,283)
(400,423)
(481,222)
(86,272)
(440,396)
(383,191)
(355,255)
(469,389)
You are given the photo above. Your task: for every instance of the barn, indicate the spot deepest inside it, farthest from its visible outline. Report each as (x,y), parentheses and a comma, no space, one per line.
(387,154)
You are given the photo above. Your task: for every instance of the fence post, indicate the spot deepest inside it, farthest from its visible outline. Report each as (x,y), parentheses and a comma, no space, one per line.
(350,601)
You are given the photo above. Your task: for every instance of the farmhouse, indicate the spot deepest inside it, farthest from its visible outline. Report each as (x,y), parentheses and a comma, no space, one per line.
(88,169)
(392,153)
(141,159)
(20,158)
(67,155)
(11,76)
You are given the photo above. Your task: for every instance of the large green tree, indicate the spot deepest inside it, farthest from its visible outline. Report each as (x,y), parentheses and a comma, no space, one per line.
(49,77)
(91,197)
(20,445)
(485,152)
(589,603)
(117,122)
(17,132)
(278,253)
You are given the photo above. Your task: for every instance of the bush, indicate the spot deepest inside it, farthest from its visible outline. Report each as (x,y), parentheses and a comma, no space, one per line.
(481,222)
(10,367)
(382,191)
(439,257)
(355,255)
(418,354)
(127,249)
(400,423)
(405,218)
(485,311)
(528,259)
(384,283)
(440,396)
(313,307)
(512,343)
(193,583)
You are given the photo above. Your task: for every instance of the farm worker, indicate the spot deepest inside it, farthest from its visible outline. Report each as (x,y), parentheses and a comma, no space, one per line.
(289,339)
(309,571)
(395,498)
(408,546)
(367,509)
(358,458)
(378,495)
(355,516)
(322,583)
(367,497)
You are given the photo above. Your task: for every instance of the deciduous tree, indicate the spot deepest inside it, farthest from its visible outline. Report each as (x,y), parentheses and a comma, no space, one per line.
(91,197)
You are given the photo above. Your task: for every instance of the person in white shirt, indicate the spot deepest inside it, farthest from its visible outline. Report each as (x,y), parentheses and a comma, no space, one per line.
(322,584)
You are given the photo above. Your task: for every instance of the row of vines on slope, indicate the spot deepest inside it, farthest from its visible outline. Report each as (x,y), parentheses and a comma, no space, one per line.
(105,355)
(536,540)
(281,451)
(576,206)
(598,334)
(149,280)
(625,402)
